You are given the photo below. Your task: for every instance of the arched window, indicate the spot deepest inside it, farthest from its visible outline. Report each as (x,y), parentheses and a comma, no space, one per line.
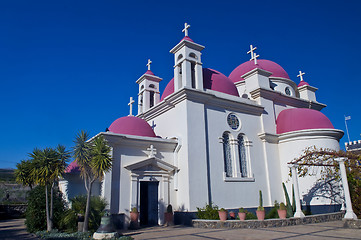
(142,87)
(151,86)
(192,55)
(179,57)
(227,155)
(151,99)
(242,156)
(193,74)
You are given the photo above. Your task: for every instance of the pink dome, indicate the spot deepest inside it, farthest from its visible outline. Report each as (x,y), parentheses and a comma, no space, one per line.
(295,119)
(132,126)
(73,167)
(187,38)
(302,83)
(213,80)
(274,68)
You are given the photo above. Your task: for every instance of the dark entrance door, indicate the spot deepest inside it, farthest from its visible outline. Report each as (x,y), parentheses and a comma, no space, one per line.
(149,203)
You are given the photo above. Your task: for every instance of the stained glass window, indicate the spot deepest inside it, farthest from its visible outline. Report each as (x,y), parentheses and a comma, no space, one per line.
(242,156)
(227,155)
(233,121)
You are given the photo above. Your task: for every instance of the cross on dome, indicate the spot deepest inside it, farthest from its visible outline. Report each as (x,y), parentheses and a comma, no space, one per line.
(185,30)
(130,104)
(153,125)
(152,151)
(148,64)
(254,57)
(251,51)
(301,75)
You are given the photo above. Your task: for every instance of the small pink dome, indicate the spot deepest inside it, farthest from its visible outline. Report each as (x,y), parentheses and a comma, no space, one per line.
(295,119)
(274,68)
(73,167)
(131,125)
(302,83)
(212,79)
(187,38)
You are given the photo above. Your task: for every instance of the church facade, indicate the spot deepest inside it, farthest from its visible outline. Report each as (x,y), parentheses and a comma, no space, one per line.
(211,138)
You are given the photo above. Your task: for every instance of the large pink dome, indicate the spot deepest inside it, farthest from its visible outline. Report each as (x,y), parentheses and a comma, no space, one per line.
(132,126)
(213,80)
(274,68)
(296,119)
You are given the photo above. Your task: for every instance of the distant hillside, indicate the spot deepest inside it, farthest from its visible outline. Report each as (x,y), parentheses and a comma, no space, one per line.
(7,175)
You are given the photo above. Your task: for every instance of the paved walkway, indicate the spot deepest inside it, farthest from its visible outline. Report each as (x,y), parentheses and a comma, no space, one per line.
(328,230)
(14,229)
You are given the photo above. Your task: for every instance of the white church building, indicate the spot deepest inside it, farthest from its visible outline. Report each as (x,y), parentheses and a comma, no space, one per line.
(210,138)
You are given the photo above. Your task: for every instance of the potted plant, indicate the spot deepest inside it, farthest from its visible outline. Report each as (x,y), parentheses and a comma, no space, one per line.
(282,211)
(168,216)
(134,215)
(260,210)
(242,214)
(222,214)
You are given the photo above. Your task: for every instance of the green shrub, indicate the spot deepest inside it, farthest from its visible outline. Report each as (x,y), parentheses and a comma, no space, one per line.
(78,204)
(208,212)
(250,216)
(35,212)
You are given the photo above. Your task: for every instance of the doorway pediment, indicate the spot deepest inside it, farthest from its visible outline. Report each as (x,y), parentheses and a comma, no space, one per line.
(151,164)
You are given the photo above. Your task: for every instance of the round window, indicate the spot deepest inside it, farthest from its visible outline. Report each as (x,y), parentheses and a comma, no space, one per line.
(233,121)
(288,91)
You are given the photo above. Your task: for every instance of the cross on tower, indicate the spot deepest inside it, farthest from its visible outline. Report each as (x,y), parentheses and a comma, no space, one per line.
(251,51)
(185,30)
(301,75)
(130,104)
(152,151)
(148,64)
(254,57)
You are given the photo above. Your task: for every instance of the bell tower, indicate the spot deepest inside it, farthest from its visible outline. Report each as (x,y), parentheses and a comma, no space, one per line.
(187,63)
(149,94)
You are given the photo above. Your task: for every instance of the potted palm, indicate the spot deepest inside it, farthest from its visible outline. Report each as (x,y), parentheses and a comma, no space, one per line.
(134,215)
(222,214)
(260,210)
(242,214)
(282,211)
(168,216)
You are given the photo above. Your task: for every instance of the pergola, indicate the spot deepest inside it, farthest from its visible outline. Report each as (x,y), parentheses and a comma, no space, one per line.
(341,162)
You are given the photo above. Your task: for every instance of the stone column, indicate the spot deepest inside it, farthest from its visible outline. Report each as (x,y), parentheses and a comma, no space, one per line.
(134,191)
(349,212)
(298,213)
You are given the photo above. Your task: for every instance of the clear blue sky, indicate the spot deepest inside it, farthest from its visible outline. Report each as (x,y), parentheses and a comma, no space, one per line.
(72,65)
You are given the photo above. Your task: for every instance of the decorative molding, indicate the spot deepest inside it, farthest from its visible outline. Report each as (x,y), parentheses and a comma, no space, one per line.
(281,98)
(311,134)
(268,137)
(256,71)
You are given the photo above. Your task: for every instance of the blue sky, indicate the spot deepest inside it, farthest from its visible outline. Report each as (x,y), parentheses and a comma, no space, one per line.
(72,65)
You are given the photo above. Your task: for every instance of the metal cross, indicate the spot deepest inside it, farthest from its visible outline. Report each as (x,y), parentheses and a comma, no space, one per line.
(130,104)
(148,64)
(152,151)
(254,57)
(300,75)
(251,50)
(185,30)
(153,125)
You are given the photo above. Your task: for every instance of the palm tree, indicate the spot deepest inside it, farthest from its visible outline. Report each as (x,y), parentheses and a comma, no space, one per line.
(43,171)
(22,173)
(94,160)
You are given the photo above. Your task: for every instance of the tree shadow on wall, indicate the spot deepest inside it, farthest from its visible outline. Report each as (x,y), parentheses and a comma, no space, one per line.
(329,189)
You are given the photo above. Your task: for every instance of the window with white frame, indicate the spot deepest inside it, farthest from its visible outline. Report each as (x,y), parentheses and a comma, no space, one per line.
(242,156)
(227,155)
(235,157)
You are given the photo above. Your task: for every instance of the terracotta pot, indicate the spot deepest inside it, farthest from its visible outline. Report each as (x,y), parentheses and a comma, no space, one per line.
(232,215)
(242,216)
(222,215)
(260,214)
(134,216)
(168,218)
(282,213)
